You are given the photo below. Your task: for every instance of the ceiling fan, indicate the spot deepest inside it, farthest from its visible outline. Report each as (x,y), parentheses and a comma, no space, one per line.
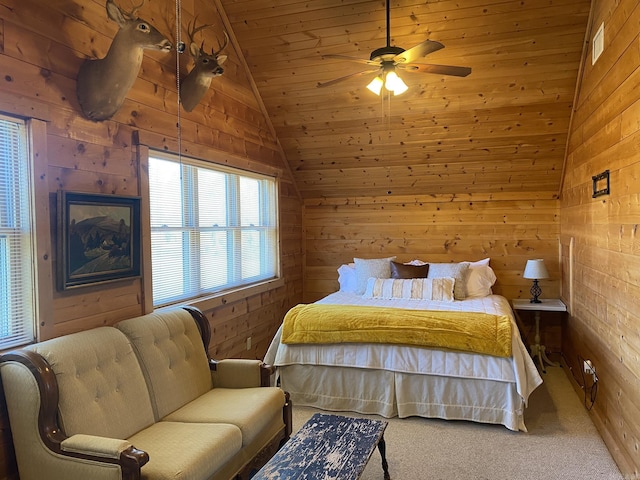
(386,60)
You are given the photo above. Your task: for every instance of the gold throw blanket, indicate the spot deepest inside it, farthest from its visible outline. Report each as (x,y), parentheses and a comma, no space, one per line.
(467,331)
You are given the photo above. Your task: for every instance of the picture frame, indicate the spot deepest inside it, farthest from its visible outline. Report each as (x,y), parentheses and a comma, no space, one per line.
(99,238)
(601,185)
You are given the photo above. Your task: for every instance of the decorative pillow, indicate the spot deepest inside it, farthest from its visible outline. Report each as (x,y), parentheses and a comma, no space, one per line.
(479,281)
(347,278)
(411,288)
(371,267)
(457,271)
(402,270)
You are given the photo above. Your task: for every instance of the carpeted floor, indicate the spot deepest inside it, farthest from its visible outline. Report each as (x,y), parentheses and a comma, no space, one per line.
(562,443)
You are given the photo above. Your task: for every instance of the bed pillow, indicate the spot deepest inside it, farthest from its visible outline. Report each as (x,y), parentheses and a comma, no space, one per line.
(347,278)
(479,281)
(403,270)
(411,288)
(371,267)
(457,271)
(480,263)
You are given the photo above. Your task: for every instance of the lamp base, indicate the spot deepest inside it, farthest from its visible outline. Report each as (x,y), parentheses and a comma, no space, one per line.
(535,292)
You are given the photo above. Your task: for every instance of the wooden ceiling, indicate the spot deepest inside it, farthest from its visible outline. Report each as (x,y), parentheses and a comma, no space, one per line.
(501,129)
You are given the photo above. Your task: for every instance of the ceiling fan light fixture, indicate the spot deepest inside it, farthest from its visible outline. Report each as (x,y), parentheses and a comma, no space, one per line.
(375,85)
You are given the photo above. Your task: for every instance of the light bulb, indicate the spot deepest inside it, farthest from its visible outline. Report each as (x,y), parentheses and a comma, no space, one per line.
(376,85)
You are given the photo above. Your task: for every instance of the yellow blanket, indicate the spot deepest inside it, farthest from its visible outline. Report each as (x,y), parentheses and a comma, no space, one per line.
(467,331)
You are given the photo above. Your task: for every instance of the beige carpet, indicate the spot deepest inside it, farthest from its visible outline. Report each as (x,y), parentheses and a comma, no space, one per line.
(562,443)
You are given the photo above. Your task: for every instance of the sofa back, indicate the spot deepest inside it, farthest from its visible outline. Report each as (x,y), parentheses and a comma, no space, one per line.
(172,356)
(101,387)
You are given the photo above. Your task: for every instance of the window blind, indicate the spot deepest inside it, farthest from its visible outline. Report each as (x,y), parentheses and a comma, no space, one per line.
(212,228)
(16,265)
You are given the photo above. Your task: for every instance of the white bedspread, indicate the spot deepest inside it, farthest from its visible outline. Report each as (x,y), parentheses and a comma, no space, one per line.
(518,369)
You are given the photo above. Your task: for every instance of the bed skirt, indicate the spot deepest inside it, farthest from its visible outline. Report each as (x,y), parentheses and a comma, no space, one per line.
(392,394)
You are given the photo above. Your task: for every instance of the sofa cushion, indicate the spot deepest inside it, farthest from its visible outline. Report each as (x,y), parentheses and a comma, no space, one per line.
(101,387)
(172,357)
(186,450)
(250,409)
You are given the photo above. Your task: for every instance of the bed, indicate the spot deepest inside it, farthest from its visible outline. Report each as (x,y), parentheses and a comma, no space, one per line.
(409,380)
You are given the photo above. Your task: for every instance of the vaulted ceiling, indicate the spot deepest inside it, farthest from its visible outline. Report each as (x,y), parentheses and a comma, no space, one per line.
(503,128)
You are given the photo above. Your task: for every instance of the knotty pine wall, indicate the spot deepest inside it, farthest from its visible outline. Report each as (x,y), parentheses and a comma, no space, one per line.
(41,47)
(508,227)
(600,235)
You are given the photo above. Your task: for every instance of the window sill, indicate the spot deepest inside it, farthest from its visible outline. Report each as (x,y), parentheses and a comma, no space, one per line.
(219,299)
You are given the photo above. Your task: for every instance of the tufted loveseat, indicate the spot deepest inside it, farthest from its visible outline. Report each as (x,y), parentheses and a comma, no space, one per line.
(141,400)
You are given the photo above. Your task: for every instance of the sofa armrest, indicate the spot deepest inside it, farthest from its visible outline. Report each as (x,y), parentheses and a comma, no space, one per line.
(95,446)
(226,375)
(239,373)
(53,438)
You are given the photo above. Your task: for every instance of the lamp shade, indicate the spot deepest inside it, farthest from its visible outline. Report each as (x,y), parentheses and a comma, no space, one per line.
(394,83)
(376,85)
(535,269)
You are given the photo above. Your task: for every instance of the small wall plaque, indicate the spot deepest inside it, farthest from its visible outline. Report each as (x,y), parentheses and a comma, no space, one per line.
(600,184)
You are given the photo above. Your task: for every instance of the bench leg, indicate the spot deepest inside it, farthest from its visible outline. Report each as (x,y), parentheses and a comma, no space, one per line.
(382,446)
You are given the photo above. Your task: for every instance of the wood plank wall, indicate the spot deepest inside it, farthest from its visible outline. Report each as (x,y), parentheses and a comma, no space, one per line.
(604,324)
(41,47)
(509,228)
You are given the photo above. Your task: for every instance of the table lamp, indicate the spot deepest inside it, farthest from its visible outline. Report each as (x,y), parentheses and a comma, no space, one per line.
(535,270)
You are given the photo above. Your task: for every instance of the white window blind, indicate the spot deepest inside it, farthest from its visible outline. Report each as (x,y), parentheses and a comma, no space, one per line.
(16,237)
(212,228)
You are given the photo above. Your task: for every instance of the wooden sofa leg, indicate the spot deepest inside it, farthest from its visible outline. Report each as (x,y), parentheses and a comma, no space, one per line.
(287,417)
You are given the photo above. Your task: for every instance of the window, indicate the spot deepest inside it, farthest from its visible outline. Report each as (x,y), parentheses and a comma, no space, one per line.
(17,309)
(212,228)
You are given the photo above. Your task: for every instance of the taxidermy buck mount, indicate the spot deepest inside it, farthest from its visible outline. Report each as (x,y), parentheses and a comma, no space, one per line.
(207,66)
(104,83)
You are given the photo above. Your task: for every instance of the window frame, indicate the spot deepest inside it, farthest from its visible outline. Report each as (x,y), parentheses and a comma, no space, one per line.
(36,146)
(208,300)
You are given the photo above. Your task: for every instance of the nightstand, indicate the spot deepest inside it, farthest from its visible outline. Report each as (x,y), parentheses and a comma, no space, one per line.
(545,305)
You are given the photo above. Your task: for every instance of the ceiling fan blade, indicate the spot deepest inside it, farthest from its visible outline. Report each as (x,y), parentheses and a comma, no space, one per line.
(418,51)
(438,69)
(352,59)
(346,77)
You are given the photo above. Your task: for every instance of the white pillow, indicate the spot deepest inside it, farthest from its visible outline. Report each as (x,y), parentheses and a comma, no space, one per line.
(371,267)
(458,271)
(411,288)
(347,278)
(480,263)
(479,281)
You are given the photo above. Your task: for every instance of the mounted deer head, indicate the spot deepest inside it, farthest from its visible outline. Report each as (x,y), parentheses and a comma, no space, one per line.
(104,83)
(207,66)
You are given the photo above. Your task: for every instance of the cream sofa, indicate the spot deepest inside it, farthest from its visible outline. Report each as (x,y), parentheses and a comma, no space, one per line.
(140,400)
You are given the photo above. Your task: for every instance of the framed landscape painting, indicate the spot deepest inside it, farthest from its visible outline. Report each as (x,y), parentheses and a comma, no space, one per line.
(99,238)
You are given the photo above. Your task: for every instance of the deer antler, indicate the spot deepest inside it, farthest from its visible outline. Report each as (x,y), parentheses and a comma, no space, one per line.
(192,30)
(226,41)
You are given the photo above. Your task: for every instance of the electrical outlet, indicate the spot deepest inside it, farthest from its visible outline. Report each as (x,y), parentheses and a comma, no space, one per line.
(589,369)
(248,343)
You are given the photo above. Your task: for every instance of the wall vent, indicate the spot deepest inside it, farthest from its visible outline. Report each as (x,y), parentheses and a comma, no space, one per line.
(598,44)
